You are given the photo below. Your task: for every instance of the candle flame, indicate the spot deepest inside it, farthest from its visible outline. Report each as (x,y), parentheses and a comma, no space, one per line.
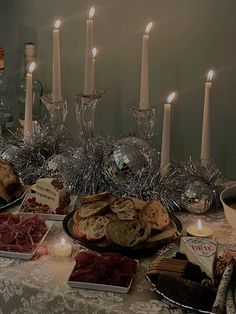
(171,97)
(32,67)
(63,241)
(148,28)
(57,24)
(199,225)
(91,13)
(94,52)
(210,75)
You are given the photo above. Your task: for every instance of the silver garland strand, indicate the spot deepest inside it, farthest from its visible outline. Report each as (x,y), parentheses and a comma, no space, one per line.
(85,170)
(198,185)
(29,155)
(80,168)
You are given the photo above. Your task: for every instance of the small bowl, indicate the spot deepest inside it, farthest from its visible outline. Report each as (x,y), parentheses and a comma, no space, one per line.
(230,213)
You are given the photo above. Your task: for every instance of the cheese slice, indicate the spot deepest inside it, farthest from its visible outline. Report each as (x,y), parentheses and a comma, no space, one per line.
(47,193)
(201,252)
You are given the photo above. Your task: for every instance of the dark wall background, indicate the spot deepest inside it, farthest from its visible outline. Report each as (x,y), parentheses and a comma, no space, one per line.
(188,38)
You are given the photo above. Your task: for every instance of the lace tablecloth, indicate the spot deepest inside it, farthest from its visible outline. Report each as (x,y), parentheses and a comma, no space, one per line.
(40,286)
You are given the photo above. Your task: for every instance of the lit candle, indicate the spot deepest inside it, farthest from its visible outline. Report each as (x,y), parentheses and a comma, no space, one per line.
(56,64)
(28,126)
(63,249)
(199,230)
(165,148)
(88,79)
(94,53)
(144,85)
(206,140)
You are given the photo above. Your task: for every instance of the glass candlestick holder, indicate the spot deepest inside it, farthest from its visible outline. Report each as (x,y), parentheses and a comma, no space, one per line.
(57,110)
(85,113)
(145,119)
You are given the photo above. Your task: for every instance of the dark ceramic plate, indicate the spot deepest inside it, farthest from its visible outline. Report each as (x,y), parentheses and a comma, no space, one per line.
(12,203)
(145,248)
(184,301)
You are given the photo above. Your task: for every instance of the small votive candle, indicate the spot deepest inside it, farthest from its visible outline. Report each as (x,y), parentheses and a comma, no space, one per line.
(200,231)
(62,249)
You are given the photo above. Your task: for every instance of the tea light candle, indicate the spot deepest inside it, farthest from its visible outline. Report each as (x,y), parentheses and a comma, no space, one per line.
(199,230)
(63,249)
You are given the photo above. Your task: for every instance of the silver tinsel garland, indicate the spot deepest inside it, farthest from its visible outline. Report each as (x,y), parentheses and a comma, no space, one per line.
(208,175)
(29,155)
(85,171)
(81,168)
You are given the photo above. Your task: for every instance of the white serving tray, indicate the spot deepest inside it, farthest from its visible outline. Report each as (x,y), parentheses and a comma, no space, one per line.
(101,287)
(28,255)
(54,217)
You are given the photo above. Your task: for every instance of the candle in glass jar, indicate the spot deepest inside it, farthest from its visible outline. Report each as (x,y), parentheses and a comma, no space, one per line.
(199,230)
(62,249)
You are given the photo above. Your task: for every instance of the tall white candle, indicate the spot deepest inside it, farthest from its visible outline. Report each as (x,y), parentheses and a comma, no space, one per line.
(165,148)
(88,88)
(206,140)
(56,64)
(94,53)
(28,101)
(144,84)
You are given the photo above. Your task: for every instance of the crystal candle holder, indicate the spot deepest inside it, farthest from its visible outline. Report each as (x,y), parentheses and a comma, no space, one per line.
(145,119)
(57,110)
(85,113)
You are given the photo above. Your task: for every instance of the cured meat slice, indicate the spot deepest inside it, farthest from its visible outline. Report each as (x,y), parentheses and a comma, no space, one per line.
(20,234)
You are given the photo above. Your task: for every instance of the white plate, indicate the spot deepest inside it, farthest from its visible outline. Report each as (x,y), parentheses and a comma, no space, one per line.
(54,217)
(26,256)
(101,287)
(96,286)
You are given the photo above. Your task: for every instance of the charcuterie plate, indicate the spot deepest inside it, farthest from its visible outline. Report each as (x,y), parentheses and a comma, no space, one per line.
(26,255)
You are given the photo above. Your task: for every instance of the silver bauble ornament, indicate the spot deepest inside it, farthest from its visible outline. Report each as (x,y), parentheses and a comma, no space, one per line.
(197,197)
(127,156)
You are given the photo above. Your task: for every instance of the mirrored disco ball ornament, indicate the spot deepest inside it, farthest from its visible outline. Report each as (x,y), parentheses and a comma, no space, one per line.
(128,156)
(197,197)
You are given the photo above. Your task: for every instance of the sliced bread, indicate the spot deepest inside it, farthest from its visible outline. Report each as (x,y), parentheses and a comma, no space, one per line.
(156,214)
(124,208)
(94,197)
(127,233)
(93,228)
(91,209)
(138,203)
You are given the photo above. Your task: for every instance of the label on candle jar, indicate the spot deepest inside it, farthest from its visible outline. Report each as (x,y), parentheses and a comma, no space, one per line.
(201,252)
